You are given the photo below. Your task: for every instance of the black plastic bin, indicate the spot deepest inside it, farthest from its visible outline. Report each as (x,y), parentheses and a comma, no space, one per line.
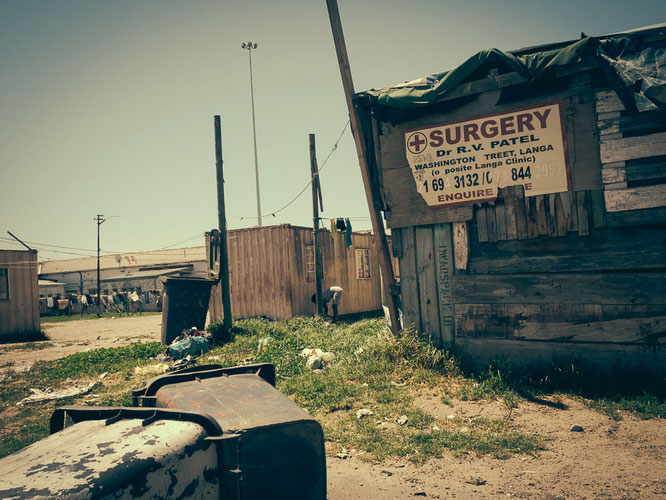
(274,449)
(184,305)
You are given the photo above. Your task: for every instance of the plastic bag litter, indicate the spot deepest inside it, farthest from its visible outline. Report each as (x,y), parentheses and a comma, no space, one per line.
(191,342)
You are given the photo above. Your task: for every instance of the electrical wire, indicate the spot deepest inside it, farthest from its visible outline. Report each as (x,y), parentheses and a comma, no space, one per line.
(335,147)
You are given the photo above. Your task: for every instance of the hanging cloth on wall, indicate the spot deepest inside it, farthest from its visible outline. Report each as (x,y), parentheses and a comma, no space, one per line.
(340,224)
(334,230)
(348,233)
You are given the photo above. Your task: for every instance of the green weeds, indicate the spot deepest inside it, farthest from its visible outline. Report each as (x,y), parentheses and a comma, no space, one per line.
(372,370)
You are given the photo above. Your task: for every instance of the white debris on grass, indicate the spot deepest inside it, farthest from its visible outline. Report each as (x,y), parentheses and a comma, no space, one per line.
(49,394)
(402,420)
(364,412)
(23,367)
(263,343)
(151,369)
(316,358)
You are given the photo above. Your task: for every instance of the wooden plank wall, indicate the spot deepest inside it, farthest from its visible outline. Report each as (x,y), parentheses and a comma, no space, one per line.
(360,295)
(568,276)
(267,273)
(20,314)
(633,156)
(426,260)
(259,274)
(595,286)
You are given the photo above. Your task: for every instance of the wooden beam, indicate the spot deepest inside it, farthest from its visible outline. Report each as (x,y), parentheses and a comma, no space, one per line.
(222,224)
(460,245)
(634,330)
(444,249)
(603,288)
(316,201)
(385,264)
(636,198)
(607,249)
(630,148)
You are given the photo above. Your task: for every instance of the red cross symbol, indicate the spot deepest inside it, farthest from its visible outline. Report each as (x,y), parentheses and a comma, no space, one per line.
(416,142)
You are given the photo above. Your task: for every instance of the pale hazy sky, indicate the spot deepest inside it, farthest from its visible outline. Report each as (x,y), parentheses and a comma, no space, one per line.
(107,106)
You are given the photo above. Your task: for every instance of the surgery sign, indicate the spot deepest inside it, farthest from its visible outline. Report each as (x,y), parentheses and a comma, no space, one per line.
(467,161)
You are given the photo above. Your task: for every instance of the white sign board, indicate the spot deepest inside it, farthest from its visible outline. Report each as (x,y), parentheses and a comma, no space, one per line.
(467,161)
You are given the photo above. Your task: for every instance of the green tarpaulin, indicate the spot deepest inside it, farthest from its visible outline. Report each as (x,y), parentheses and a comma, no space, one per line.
(634,63)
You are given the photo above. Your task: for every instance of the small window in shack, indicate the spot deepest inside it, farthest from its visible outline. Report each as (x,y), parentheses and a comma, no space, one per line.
(4,284)
(362,263)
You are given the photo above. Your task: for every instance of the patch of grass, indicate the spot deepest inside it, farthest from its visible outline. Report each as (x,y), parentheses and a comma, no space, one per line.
(26,346)
(645,405)
(372,370)
(20,426)
(495,384)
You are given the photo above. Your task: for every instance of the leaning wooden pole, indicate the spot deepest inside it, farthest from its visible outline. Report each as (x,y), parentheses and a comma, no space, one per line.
(316,201)
(385,263)
(222,223)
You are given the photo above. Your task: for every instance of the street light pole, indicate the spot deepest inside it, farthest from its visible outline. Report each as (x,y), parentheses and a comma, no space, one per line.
(249,46)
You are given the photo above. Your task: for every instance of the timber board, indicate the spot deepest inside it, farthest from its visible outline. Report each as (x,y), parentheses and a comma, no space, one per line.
(605,359)
(606,249)
(638,198)
(583,288)
(427,278)
(409,281)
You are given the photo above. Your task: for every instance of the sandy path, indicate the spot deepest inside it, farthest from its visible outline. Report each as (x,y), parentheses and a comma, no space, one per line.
(618,460)
(70,337)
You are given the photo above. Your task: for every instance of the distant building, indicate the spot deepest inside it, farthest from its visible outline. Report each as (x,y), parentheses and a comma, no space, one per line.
(137,271)
(19,295)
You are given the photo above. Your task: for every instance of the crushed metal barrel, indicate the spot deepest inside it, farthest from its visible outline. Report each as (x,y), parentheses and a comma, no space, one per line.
(203,432)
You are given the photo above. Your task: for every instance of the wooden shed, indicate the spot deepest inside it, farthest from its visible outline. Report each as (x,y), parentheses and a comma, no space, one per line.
(271,272)
(19,293)
(526,194)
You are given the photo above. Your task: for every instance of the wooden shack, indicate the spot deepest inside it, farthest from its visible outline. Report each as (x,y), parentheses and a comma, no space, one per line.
(526,194)
(19,294)
(271,272)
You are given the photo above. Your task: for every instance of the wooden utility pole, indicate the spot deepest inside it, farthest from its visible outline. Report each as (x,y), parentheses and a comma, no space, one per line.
(385,264)
(222,223)
(16,238)
(316,202)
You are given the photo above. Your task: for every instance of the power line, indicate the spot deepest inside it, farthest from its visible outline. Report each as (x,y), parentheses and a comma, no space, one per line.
(335,146)
(40,246)
(188,239)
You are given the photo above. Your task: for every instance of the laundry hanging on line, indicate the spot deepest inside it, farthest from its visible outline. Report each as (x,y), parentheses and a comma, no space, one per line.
(348,234)
(334,229)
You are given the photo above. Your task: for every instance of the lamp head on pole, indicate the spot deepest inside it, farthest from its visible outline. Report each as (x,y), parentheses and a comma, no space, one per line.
(249,45)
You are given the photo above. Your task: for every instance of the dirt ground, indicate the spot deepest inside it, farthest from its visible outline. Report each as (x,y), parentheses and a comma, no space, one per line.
(608,459)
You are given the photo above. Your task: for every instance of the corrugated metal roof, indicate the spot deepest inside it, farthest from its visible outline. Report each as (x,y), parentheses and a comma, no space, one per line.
(154,273)
(127,260)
